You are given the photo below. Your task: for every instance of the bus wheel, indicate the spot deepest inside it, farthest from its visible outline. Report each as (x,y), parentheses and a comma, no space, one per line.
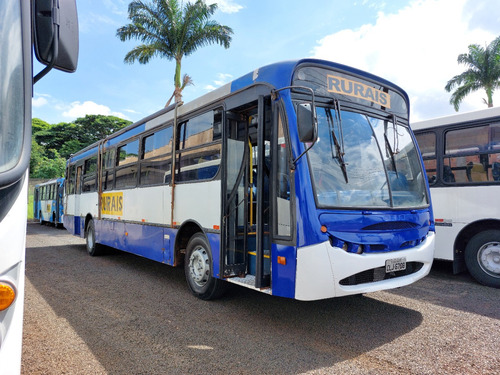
(40,218)
(482,257)
(92,247)
(198,269)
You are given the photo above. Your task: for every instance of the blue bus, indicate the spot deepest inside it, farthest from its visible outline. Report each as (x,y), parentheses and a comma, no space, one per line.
(48,202)
(301,179)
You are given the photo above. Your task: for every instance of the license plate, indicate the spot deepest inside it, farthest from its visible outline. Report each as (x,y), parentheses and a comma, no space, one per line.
(395,264)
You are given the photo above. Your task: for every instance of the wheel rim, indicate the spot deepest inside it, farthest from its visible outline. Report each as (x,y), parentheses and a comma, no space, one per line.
(199,266)
(488,258)
(90,240)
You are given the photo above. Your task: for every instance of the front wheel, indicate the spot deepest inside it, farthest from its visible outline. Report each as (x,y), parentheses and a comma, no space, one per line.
(92,247)
(482,257)
(198,269)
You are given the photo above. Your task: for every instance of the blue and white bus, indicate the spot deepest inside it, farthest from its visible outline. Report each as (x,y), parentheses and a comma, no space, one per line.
(301,179)
(48,201)
(51,27)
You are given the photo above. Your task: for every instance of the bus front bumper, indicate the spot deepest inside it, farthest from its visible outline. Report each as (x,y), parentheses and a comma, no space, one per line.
(321,267)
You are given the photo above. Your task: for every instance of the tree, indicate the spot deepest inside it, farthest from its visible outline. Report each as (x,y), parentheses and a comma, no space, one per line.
(169,29)
(38,125)
(52,144)
(69,138)
(483,73)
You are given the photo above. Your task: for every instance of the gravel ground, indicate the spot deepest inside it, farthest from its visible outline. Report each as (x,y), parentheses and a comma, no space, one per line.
(121,314)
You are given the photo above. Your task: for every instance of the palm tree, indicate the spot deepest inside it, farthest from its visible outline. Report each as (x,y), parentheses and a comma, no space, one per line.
(483,73)
(170,29)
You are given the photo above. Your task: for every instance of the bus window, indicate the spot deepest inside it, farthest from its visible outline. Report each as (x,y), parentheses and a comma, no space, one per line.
(156,149)
(108,173)
(466,155)
(128,154)
(197,160)
(89,179)
(427,144)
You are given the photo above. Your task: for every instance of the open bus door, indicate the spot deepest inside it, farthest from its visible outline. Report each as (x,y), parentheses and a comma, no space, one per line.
(246,248)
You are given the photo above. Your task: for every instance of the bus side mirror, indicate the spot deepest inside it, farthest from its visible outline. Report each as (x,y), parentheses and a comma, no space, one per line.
(55,26)
(306,123)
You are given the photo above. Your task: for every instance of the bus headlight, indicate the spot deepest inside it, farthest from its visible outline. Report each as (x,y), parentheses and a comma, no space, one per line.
(7,295)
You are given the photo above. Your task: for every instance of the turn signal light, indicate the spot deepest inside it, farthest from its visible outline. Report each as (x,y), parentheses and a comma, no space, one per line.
(7,295)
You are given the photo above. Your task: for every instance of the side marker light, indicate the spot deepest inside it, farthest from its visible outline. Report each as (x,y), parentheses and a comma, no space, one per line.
(7,295)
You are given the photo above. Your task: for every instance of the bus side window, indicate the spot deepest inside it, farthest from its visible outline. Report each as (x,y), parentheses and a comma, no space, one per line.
(156,153)
(78,185)
(108,163)
(89,179)
(128,157)
(199,147)
(427,145)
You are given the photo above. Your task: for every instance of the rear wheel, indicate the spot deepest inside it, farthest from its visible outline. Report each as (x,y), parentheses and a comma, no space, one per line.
(92,247)
(482,257)
(198,269)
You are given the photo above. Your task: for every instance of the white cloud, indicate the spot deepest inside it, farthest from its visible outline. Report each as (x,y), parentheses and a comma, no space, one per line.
(221,80)
(229,6)
(39,102)
(78,109)
(416,48)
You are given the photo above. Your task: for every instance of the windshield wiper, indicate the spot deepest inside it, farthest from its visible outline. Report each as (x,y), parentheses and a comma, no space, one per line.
(388,144)
(339,150)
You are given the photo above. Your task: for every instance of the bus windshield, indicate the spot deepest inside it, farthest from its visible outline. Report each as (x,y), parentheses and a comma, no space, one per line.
(361,161)
(11,86)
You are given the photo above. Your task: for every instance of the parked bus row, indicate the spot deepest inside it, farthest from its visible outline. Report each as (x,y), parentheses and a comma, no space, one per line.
(301,179)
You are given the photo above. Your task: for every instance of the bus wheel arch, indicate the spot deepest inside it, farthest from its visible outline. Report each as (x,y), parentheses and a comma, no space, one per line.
(182,237)
(482,257)
(463,238)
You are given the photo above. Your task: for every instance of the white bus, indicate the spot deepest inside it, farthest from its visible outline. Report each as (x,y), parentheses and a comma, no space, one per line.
(301,179)
(462,159)
(55,35)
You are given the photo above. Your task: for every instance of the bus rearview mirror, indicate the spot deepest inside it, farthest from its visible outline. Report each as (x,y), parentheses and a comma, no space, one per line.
(306,123)
(55,26)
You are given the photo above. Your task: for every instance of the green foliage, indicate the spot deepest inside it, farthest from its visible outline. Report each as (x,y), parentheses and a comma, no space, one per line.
(172,29)
(52,144)
(483,73)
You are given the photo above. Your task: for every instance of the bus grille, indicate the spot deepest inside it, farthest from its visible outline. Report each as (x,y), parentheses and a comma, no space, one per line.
(379,274)
(391,225)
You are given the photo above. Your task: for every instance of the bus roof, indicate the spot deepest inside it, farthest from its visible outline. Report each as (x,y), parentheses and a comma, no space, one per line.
(457,118)
(278,75)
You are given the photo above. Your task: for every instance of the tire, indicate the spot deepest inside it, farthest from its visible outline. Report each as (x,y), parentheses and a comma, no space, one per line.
(93,248)
(482,257)
(40,218)
(198,269)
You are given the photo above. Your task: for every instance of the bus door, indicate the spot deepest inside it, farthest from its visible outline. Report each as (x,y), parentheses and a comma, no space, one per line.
(245,227)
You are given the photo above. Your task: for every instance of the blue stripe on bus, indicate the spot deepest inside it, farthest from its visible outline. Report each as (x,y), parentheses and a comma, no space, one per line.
(126,135)
(83,155)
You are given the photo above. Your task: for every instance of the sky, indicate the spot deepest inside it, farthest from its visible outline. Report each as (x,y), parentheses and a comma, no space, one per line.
(412,43)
